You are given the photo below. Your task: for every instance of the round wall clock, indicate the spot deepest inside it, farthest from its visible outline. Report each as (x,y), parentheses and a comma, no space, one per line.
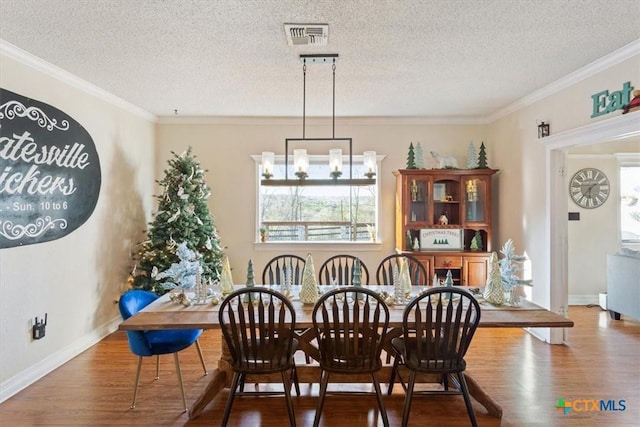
(589,188)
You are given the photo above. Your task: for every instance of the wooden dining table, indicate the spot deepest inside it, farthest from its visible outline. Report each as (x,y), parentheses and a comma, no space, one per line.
(167,314)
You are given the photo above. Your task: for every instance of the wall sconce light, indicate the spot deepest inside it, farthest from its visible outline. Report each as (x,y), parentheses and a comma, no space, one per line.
(543,130)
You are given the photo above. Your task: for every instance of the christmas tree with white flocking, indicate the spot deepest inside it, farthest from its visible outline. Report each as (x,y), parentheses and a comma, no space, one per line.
(182,218)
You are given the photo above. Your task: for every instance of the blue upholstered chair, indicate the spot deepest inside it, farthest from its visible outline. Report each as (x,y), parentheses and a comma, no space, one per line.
(155,343)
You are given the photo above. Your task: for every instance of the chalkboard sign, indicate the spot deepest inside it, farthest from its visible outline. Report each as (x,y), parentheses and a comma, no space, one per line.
(49,172)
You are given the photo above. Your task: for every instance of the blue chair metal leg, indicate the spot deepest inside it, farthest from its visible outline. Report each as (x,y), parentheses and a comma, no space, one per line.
(204,368)
(179,372)
(135,385)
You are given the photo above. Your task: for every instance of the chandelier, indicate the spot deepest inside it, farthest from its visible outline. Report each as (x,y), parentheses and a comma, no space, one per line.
(300,157)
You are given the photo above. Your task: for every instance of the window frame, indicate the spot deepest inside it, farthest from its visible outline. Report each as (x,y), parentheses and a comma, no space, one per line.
(373,244)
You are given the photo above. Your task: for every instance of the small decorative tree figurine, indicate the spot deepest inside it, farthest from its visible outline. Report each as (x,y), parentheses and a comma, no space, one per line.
(482,158)
(226,281)
(472,159)
(309,287)
(357,276)
(250,281)
(411,158)
(419,157)
(476,242)
(493,291)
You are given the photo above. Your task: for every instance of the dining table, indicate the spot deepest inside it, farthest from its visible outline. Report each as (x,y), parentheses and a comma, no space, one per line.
(166,313)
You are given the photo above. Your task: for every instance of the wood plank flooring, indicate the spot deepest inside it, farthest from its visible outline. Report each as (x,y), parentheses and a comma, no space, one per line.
(526,376)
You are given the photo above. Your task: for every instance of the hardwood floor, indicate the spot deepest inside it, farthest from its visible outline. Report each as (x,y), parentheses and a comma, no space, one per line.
(526,377)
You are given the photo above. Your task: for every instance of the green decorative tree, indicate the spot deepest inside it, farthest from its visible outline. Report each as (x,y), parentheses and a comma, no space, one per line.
(183,216)
(482,158)
(411,158)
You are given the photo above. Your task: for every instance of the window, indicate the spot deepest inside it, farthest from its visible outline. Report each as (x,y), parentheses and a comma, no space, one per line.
(327,213)
(630,202)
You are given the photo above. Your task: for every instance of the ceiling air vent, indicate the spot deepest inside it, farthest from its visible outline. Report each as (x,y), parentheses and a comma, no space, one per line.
(307,34)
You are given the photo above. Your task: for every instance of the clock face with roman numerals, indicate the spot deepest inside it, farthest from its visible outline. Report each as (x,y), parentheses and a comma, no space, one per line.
(589,188)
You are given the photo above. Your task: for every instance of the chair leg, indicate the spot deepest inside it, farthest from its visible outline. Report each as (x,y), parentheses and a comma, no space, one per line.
(324,382)
(135,385)
(157,367)
(204,368)
(445,381)
(407,399)
(286,382)
(392,378)
(467,399)
(232,395)
(179,372)
(383,411)
(294,378)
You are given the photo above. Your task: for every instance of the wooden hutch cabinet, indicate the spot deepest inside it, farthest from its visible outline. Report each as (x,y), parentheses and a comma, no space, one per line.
(443,218)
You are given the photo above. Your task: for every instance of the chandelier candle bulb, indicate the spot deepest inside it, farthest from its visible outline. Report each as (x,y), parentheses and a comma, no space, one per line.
(300,163)
(335,162)
(370,163)
(268,160)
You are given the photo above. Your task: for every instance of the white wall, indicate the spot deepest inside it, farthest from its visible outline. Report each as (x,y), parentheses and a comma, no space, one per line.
(77,278)
(596,234)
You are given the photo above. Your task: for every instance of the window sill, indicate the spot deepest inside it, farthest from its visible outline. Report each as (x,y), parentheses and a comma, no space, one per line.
(319,246)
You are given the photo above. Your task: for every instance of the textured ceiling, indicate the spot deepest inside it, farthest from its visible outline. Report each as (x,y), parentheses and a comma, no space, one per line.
(431,58)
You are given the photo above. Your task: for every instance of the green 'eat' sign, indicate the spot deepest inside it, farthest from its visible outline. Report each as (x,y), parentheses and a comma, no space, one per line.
(605,102)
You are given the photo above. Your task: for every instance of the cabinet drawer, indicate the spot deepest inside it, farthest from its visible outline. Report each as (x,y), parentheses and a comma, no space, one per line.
(448,261)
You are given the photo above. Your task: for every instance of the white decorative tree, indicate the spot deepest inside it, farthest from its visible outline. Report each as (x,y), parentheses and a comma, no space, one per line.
(493,291)
(472,157)
(419,154)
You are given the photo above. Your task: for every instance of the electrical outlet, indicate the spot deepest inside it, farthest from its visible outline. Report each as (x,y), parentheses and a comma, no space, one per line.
(38,329)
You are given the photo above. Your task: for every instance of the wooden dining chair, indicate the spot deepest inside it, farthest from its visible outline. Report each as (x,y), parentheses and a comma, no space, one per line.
(350,325)
(417,272)
(273,273)
(438,326)
(258,328)
(338,270)
(158,342)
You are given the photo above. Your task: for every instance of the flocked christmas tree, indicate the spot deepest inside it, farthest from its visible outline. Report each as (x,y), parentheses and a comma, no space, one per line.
(182,216)
(482,158)
(411,158)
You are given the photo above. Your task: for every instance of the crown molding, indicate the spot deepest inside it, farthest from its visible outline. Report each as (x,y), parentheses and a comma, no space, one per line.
(39,64)
(613,129)
(626,52)
(319,121)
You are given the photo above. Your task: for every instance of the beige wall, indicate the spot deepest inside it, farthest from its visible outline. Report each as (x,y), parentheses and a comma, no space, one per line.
(225,150)
(77,278)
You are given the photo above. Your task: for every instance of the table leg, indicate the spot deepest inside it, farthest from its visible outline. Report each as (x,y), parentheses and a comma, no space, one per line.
(214,387)
(481,396)
(220,378)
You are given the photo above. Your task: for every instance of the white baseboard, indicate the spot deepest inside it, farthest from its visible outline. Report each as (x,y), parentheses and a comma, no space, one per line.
(33,373)
(583,299)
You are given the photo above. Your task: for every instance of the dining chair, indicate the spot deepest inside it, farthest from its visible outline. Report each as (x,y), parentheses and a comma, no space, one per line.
(273,273)
(417,272)
(338,270)
(350,325)
(438,326)
(258,328)
(156,342)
